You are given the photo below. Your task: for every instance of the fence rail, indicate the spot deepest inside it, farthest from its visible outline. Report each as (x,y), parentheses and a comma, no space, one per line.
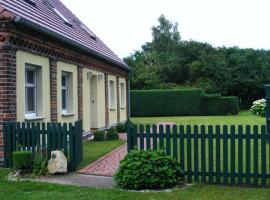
(213,154)
(46,137)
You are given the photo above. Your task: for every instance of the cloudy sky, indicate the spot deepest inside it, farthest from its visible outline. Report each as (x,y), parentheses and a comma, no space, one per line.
(124,25)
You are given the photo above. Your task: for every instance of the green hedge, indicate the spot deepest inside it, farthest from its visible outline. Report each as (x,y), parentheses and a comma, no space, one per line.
(184,102)
(217,105)
(148,103)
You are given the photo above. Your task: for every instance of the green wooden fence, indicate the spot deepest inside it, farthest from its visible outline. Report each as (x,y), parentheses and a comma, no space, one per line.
(221,155)
(46,137)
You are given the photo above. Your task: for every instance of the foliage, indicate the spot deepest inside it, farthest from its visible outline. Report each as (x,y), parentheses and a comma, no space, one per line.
(185,102)
(112,134)
(22,160)
(121,128)
(148,170)
(215,104)
(258,107)
(40,164)
(99,136)
(167,60)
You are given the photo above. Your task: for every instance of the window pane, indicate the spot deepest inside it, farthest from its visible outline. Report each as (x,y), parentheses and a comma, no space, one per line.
(64,82)
(122,94)
(30,76)
(30,98)
(64,99)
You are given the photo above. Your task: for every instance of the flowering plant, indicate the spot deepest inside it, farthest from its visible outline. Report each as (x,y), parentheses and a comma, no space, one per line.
(258,107)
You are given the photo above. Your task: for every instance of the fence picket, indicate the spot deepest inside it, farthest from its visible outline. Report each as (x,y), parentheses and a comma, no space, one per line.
(28,136)
(175,142)
(23,137)
(134,136)
(33,137)
(225,154)
(218,154)
(189,162)
(148,141)
(141,137)
(248,155)
(196,155)
(210,152)
(182,147)
(49,140)
(232,154)
(168,140)
(240,155)
(19,137)
(161,136)
(263,154)
(203,156)
(43,133)
(65,134)
(154,128)
(255,155)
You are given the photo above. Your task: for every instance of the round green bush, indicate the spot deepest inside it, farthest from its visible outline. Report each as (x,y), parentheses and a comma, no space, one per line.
(148,170)
(22,160)
(259,107)
(99,136)
(112,134)
(121,128)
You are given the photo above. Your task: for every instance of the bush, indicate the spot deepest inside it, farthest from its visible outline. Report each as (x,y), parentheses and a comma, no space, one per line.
(148,170)
(184,102)
(112,134)
(40,164)
(215,104)
(99,136)
(22,160)
(121,128)
(258,107)
(150,103)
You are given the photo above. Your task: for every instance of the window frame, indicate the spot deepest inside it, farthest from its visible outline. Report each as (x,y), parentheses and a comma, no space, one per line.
(31,114)
(122,96)
(111,100)
(66,88)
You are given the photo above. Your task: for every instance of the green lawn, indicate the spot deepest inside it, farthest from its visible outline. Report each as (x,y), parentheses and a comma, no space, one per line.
(33,190)
(94,150)
(244,118)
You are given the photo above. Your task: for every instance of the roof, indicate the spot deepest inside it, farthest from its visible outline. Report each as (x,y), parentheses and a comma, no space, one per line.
(52,16)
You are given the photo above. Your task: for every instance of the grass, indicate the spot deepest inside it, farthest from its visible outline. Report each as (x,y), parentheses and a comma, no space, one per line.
(94,150)
(31,190)
(244,118)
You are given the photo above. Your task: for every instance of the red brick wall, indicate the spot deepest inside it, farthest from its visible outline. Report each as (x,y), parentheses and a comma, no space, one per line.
(53,89)
(80,92)
(106,101)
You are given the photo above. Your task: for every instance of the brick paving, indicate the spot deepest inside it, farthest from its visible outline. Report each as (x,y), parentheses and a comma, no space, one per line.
(108,164)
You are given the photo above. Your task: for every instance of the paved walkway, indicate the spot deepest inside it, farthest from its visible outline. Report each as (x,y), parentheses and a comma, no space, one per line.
(108,164)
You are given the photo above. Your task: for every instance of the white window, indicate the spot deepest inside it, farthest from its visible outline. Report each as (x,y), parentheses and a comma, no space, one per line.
(65,91)
(112,94)
(30,92)
(122,95)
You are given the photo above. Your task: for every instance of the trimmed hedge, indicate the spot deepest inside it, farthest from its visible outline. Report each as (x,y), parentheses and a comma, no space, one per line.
(217,105)
(149,103)
(184,102)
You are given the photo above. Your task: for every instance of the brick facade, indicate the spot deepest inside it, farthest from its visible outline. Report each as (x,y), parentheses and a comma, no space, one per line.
(18,38)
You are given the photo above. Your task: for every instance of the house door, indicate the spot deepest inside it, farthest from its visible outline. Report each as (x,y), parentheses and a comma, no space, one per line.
(93,102)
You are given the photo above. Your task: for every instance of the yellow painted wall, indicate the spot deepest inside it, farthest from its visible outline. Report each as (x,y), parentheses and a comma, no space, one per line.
(44,109)
(86,100)
(123,110)
(65,67)
(112,112)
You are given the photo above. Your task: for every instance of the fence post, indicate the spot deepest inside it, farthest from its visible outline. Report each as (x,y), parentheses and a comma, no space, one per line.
(129,137)
(267,112)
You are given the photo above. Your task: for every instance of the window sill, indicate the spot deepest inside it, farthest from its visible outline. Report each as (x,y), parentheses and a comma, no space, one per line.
(67,114)
(34,118)
(112,109)
(122,108)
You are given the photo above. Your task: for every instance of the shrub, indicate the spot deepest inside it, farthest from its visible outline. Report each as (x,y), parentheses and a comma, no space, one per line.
(22,160)
(215,104)
(112,134)
(40,164)
(148,170)
(99,136)
(150,103)
(121,128)
(180,102)
(258,107)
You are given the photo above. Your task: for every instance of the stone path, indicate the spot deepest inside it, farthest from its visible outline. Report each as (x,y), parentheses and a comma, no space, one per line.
(108,164)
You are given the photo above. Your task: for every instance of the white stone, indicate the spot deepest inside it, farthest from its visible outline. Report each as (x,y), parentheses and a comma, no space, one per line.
(58,163)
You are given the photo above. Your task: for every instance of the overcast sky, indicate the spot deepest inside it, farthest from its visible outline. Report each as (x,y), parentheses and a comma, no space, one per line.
(124,25)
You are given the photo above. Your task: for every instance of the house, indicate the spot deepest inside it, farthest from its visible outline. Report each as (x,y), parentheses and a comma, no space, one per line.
(53,68)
